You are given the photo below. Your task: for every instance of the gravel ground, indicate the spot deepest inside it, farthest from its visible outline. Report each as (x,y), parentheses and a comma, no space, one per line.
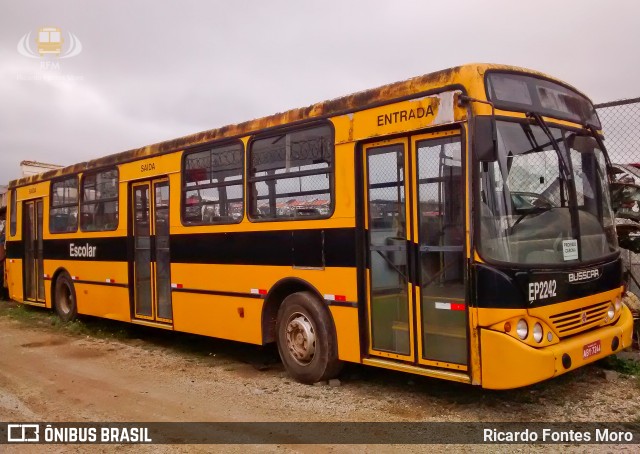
(99,370)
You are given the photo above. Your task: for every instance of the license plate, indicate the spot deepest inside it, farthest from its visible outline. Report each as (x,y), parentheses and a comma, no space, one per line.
(591,349)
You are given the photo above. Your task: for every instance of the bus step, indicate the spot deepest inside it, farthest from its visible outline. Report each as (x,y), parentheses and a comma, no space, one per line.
(402,367)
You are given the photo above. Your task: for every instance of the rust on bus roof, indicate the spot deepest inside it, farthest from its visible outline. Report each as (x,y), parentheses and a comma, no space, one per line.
(335,106)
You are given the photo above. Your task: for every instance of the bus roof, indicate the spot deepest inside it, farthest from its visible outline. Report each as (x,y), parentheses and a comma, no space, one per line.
(337,106)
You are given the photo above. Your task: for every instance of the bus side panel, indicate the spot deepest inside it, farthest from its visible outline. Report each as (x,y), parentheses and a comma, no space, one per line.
(242,278)
(103,301)
(226,317)
(348,332)
(14,279)
(93,294)
(48,301)
(198,313)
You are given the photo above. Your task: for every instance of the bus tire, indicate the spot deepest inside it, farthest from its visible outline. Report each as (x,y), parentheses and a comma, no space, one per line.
(65,298)
(306,339)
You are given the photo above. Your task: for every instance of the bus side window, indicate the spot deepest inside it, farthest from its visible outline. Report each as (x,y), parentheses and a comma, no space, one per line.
(99,204)
(63,209)
(213,181)
(291,175)
(13,220)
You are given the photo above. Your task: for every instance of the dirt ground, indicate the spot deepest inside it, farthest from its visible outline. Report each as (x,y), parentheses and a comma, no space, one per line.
(99,370)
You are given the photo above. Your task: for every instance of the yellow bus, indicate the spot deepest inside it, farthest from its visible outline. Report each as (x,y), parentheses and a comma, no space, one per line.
(456,225)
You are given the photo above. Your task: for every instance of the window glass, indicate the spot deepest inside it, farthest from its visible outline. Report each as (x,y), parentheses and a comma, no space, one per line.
(509,88)
(525,202)
(213,186)
(526,93)
(291,175)
(63,216)
(99,208)
(13,221)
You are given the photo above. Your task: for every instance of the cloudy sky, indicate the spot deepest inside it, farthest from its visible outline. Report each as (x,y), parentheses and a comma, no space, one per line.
(151,70)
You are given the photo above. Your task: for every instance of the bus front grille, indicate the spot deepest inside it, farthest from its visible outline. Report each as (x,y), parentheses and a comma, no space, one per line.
(574,321)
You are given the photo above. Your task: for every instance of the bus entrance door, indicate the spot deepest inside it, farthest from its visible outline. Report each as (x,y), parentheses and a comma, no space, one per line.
(33,252)
(152,262)
(415,275)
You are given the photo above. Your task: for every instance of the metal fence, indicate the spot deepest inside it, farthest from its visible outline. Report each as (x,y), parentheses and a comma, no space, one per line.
(621,127)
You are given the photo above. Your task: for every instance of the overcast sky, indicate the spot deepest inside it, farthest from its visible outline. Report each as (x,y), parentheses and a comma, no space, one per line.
(152,70)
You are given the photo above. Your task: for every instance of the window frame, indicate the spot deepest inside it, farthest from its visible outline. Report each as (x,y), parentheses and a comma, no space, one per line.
(330,171)
(183,181)
(66,205)
(82,201)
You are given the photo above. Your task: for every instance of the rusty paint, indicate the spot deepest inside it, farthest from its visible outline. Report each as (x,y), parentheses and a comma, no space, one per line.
(337,106)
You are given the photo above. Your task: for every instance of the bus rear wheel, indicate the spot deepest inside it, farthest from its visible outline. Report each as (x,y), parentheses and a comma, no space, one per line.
(65,298)
(306,339)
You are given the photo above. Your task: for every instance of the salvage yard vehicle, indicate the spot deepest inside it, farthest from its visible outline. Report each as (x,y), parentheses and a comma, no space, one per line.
(456,225)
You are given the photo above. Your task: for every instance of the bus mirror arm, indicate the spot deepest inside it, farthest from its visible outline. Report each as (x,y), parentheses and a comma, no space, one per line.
(485,148)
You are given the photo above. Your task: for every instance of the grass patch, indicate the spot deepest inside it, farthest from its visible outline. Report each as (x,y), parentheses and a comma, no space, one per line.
(22,313)
(191,346)
(85,326)
(624,366)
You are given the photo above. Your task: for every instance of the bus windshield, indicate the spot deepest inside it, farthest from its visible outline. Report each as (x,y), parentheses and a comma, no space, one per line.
(542,205)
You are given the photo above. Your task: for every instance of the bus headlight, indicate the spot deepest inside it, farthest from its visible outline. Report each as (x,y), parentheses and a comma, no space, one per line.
(522,329)
(537,332)
(611,312)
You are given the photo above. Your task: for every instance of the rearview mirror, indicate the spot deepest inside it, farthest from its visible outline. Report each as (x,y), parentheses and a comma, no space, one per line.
(485,145)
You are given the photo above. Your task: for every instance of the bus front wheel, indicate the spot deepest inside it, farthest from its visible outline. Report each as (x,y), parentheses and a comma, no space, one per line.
(65,298)
(306,339)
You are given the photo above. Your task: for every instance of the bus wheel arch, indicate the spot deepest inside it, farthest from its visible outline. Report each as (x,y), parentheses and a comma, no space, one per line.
(63,296)
(54,278)
(272,302)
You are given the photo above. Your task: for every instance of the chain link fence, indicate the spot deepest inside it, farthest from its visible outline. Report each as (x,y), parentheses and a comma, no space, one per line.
(621,126)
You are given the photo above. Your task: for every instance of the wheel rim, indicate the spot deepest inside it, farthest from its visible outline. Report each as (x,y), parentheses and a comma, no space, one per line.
(301,338)
(64,298)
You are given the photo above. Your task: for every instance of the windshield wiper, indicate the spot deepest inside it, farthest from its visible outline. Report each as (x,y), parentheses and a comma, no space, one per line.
(531,138)
(564,167)
(530,212)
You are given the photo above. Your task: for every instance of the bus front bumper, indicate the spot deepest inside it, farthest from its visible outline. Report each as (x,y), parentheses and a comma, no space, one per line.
(508,363)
